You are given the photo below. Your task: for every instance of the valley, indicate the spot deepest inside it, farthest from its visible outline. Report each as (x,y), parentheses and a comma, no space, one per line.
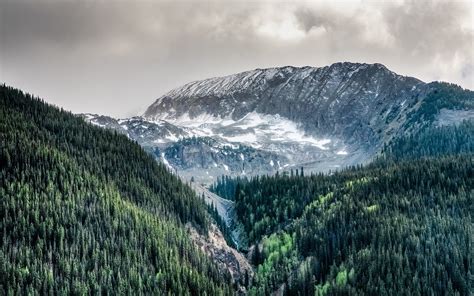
(236,148)
(341,180)
(223,127)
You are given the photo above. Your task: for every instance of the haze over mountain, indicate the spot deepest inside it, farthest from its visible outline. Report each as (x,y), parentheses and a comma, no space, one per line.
(268,120)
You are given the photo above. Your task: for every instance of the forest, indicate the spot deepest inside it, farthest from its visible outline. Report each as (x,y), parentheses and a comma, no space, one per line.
(401,225)
(85,211)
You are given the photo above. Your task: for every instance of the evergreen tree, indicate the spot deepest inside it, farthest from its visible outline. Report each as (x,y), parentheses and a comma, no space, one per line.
(86,211)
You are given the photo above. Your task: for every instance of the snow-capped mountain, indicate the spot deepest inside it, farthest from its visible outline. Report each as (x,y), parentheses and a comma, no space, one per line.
(269,120)
(348,101)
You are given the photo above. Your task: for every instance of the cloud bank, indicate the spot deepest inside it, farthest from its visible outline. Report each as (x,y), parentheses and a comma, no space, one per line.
(116,57)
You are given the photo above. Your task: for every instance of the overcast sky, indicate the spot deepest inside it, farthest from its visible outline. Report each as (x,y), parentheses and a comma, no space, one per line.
(117,57)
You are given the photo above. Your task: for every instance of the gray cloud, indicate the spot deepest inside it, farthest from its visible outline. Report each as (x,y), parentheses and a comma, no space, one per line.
(116,57)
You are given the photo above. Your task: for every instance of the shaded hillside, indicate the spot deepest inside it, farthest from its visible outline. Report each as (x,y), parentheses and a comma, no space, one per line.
(402,225)
(87,211)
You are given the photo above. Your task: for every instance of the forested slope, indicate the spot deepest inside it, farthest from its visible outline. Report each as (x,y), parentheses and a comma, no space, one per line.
(402,225)
(87,211)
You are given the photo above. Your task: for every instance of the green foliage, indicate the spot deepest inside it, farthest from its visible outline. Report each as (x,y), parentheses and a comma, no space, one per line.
(86,211)
(399,226)
(225,186)
(279,255)
(341,278)
(322,290)
(444,95)
(407,229)
(266,206)
(372,208)
(437,141)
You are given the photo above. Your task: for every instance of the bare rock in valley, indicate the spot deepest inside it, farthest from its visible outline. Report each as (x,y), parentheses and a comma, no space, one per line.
(227,258)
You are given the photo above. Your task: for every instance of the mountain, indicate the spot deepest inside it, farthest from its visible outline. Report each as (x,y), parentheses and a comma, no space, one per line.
(344,101)
(87,211)
(277,119)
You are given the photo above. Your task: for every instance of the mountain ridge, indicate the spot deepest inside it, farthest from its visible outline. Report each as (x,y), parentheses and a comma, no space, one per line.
(116,220)
(322,118)
(255,90)
(193,87)
(346,100)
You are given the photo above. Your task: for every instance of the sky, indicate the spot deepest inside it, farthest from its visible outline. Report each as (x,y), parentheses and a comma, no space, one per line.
(116,57)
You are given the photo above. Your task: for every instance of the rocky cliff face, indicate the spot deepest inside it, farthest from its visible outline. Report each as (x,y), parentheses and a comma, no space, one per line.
(269,120)
(352,102)
(228,259)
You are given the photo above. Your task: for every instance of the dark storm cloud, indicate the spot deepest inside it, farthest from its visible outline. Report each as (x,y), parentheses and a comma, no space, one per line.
(116,57)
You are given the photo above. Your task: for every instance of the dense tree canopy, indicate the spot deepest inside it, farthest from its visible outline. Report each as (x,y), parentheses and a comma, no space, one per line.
(86,211)
(399,226)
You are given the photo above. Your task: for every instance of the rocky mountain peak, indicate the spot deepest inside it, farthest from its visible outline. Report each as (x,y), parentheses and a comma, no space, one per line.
(275,119)
(337,100)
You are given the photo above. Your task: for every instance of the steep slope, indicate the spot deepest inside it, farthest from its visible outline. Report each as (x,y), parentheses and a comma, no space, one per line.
(279,119)
(86,211)
(348,101)
(402,225)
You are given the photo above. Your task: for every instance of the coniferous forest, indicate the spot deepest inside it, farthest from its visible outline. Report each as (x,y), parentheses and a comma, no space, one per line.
(85,211)
(236,147)
(402,225)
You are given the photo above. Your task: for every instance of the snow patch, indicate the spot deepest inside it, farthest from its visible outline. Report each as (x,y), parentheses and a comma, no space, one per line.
(172,137)
(165,161)
(97,124)
(244,138)
(254,129)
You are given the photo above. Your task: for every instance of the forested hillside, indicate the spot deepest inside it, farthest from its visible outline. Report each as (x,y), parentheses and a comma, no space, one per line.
(86,211)
(432,142)
(402,225)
